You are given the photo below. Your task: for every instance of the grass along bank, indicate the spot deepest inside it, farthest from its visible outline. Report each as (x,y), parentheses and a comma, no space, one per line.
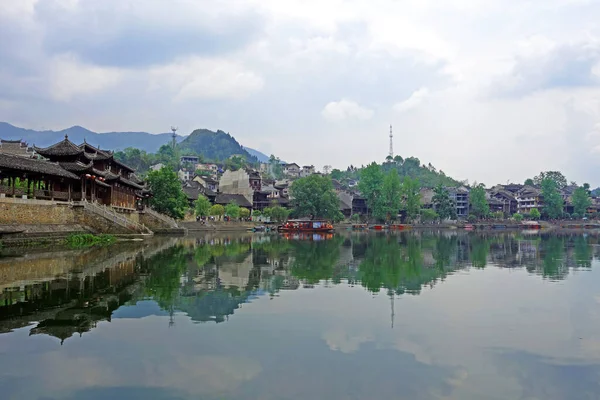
(88,239)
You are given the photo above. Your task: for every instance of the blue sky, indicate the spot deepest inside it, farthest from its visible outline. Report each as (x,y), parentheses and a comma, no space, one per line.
(487,90)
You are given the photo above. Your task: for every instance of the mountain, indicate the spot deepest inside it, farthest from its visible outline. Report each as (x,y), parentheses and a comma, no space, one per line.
(262,157)
(109,140)
(214,145)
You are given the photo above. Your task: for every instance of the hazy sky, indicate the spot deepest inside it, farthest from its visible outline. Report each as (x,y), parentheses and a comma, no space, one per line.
(489,90)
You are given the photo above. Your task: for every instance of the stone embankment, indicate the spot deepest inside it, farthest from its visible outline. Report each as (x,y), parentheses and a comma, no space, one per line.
(219,226)
(27,220)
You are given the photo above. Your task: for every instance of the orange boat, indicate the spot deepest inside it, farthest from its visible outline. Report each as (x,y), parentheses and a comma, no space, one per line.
(317,226)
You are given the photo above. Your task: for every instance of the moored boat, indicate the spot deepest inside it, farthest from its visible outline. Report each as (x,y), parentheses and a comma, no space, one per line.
(306,226)
(531,225)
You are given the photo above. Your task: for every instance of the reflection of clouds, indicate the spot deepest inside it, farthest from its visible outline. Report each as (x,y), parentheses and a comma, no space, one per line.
(340,340)
(195,375)
(550,378)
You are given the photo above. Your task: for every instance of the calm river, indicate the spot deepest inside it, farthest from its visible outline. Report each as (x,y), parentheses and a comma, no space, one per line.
(446,315)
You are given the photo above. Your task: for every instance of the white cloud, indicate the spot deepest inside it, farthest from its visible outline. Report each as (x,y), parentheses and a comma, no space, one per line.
(70,78)
(344,110)
(414,101)
(200,78)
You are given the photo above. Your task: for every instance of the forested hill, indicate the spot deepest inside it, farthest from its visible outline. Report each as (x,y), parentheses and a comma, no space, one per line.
(427,175)
(214,145)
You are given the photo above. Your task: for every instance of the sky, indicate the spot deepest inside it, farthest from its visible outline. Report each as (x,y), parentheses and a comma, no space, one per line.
(486,90)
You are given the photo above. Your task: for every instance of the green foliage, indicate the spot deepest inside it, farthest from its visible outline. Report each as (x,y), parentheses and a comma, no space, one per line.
(479,205)
(535,214)
(234,163)
(276,213)
(387,204)
(428,215)
(232,210)
(88,240)
(556,176)
(215,145)
(518,217)
(412,197)
(137,159)
(498,215)
(167,194)
(529,182)
(471,218)
(314,196)
(480,248)
(370,184)
(168,156)
(217,210)
(553,201)
(203,172)
(202,206)
(355,218)
(581,201)
(443,204)
(244,212)
(275,167)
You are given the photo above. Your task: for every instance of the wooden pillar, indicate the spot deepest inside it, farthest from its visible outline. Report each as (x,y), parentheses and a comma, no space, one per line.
(13,186)
(51,190)
(70,184)
(29,187)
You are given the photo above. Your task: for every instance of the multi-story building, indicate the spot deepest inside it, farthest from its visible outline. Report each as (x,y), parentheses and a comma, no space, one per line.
(307,170)
(460,196)
(189,159)
(291,170)
(184,175)
(245,182)
(529,198)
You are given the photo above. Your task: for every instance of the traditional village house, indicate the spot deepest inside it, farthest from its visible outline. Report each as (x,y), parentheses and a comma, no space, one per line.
(193,190)
(507,198)
(16,148)
(189,159)
(207,182)
(101,178)
(307,170)
(529,198)
(292,170)
(184,175)
(245,182)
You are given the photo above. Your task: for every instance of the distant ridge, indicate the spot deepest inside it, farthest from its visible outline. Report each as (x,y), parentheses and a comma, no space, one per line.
(217,145)
(148,142)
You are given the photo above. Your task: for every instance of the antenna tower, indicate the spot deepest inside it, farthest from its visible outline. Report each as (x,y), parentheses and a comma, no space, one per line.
(174,136)
(391,143)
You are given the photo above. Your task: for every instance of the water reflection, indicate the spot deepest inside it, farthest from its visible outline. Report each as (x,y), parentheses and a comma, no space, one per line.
(314,314)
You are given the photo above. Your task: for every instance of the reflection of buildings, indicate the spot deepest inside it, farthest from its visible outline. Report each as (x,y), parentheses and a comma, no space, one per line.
(68,291)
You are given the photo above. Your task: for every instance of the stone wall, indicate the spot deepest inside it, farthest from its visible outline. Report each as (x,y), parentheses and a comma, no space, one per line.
(155,224)
(40,212)
(18,211)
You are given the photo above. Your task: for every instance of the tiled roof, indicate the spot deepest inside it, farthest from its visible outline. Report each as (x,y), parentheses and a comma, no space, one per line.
(97,156)
(240,200)
(76,166)
(10,162)
(62,148)
(130,183)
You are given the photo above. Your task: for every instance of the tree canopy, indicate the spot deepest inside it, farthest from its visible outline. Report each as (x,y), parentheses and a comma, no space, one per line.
(232,210)
(581,201)
(202,206)
(387,204)
(444,205)
(314,196)
(167,195)
(479,205)
(370,184)
(411,195)
(557,177)
(553,201)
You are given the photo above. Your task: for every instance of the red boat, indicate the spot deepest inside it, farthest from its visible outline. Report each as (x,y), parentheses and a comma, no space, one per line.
(317,226)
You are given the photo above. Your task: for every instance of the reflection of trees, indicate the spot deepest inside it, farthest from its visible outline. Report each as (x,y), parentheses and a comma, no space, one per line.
(399,266)
(315,260)
(583,252)
(480,247)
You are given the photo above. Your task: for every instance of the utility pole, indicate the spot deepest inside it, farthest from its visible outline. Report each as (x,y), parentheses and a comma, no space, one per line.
(391,143)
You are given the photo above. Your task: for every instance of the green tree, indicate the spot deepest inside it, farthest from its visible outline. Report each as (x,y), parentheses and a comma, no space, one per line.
(535,214)
(411,192)
(443,204)
(529,182)
(553,201)
(167,194)
(244,212)
(556,176)
(498,215)
(428,214)
(232,210)
(202,206)
(581,201)
(518,217)
(314,196)
(370,184)
(479,205)
(275,167)
(217,210)
(279,214)
(234,163)
(388,203)
(168,156)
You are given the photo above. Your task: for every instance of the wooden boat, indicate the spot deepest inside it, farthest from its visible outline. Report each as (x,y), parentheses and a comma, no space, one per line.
(531,225)
(306,226)
(469,227)
(360,227)
(398,227)
(379,227)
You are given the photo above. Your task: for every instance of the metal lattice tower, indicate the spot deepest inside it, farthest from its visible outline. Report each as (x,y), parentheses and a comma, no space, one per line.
(391,143)
(174,129)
